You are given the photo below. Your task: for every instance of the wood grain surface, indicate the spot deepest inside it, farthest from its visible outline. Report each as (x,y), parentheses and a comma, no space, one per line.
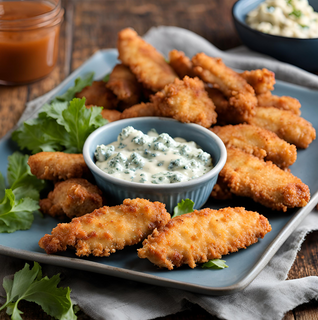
(90,25)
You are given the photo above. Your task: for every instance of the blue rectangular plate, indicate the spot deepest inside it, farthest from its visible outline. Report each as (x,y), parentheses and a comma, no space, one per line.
(243,265)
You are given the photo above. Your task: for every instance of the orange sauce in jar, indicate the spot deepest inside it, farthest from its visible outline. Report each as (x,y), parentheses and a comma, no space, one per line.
(29,34)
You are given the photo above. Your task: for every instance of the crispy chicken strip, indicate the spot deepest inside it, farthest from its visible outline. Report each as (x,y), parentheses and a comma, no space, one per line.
(123,83)
(226,112)
(181,64)
(72,198)
(240,94)
(111,115)
(98,95)
(221,191)
(286,125)
(259,142)
(141,110)
(107,229)
(144,60)
(248,176)
(58,165)
(262,81)
(284,103)
(199,236)
(187,101)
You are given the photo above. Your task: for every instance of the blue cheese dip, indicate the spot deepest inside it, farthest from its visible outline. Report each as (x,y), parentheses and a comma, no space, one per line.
(289,18)
(152,158)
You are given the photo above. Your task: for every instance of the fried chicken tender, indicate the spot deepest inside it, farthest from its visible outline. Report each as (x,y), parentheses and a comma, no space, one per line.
(123,83)
(259,142)
(248,176)
(199,236)
(284,103)
(111,115)
(262,81)
(98,95)
(221,191)
(72,198)
(226,112)
(286,125)
(181,64)
(240,94)
(187,101)
(107,229)
(148,65)
(141,110)
(58,166)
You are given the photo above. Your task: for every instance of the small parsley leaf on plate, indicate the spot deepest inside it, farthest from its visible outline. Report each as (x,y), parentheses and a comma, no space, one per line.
(185,206)
(215,264)
(106,78)
(29,285)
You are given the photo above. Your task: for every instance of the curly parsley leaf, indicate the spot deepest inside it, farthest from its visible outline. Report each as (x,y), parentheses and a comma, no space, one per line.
(185,206)
(79,85)
(2,186)
(106,78)
(16,214)
(60,127)
(30,286)
(215,264)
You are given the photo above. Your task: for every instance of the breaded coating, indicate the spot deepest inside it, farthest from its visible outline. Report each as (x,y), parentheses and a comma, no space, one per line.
(286,125)
(248,176)
(199,236)
(240,94)
(262,81)
(226,112)
(148,65)
(107,229)
(111,115)
(284,103)
(141,110)
(181,64)
(98,95)
(72,198)
(187,101)
(123,83)
(259,142)
(221,191)
(58,166)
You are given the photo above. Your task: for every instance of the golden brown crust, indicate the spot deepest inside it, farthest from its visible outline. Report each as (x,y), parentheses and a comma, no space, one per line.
(98,95)
(187,101)
(123,83)
(141,110)
(261,80)
(107,229)
(72,198)
(248,176)
(284,103)
(221,191)
(148,65)
(259,142)
(58,166)
(286,125)
(199,236)
(240,94)
(111,115)
(181,64)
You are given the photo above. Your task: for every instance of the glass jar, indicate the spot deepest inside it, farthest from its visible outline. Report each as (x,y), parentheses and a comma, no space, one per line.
(29,36)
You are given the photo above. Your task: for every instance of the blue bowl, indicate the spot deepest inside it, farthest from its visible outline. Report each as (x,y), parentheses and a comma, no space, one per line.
(299,52)
(197,190)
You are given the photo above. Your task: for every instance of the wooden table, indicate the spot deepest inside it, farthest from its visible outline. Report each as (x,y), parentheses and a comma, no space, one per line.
(92,25)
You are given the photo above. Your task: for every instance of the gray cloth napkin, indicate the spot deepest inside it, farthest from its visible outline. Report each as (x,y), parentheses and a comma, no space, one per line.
(269,296)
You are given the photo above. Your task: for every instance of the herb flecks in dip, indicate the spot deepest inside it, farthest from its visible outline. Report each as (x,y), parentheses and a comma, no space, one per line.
(288,18)
(152,158)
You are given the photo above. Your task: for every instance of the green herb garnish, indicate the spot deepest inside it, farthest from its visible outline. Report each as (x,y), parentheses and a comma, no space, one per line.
(60,127)
(215,264)
(106,78)
(185,206)
(30,286)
